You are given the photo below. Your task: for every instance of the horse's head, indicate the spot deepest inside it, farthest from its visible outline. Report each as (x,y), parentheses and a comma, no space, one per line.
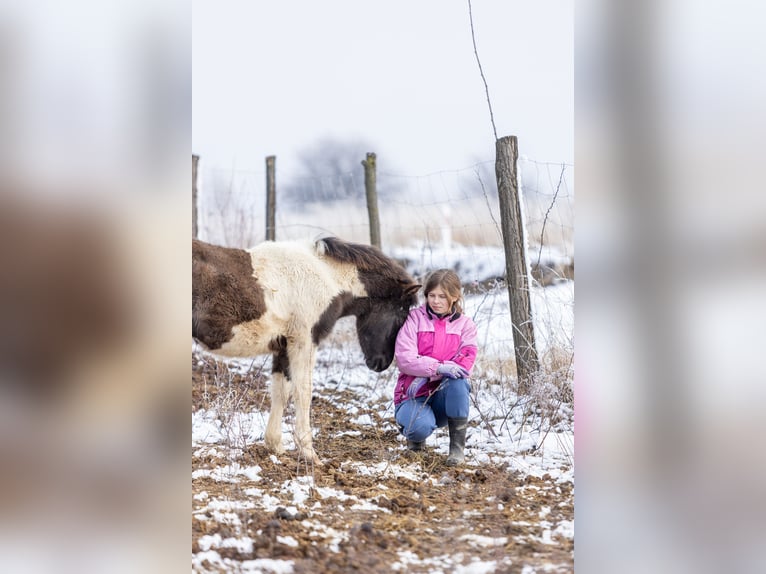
(390,293)
(378,320)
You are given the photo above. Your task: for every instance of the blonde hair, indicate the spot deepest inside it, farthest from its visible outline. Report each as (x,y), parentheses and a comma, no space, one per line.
(449,282)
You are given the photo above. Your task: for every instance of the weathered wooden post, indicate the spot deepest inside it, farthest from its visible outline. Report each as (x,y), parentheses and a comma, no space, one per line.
(370,186)
(516,269)
(195,161)
(271,198)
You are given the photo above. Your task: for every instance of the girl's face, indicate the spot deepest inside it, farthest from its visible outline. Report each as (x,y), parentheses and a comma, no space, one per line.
(439,301)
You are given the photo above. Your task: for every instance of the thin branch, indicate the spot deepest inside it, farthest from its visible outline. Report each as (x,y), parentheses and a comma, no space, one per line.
(481,71)
(483,417)
(545,219)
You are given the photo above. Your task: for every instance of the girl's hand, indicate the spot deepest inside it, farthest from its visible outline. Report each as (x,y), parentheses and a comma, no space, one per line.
(452,370)
(415,386)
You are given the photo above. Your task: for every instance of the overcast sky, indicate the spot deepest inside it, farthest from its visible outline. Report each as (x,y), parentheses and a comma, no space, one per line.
(277,77)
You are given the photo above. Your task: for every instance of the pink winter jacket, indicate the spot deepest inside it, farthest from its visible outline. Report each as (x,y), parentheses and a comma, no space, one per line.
(425,341)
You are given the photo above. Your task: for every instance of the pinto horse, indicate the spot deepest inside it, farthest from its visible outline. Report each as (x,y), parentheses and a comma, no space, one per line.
(283,298)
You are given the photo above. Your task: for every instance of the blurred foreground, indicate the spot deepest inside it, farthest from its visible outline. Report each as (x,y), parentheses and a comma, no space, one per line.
(670,313)
(94,227)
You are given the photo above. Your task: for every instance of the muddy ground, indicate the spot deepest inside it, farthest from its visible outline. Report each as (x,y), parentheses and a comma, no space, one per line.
(427,518)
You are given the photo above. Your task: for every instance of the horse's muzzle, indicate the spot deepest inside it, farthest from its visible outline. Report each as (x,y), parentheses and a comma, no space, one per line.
(378,363)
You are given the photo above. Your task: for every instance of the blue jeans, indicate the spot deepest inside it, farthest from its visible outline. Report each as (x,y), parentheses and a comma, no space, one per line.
(418,418)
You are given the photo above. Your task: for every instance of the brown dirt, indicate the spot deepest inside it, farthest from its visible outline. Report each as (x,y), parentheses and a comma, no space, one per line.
(429,518)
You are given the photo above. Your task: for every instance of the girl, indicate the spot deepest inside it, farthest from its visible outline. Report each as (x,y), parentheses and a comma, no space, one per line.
(435,352)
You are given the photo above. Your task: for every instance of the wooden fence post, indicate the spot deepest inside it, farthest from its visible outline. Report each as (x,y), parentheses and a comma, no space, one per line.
(195,161)
(370,186)
(271,198)
(516,269)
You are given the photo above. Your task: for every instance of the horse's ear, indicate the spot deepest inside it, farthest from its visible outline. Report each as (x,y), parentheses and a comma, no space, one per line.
(412,289)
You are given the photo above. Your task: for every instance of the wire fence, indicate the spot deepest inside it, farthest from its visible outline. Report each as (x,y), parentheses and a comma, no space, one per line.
(445,219)
(442,209)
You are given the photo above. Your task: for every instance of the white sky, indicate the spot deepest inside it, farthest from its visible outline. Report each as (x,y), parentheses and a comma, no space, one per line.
(276,77)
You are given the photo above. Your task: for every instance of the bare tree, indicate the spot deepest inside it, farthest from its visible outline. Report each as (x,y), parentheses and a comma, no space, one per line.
(330,170)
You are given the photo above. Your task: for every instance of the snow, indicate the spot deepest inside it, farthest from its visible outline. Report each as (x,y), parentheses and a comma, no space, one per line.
(208,541)
(229,472)
(474,263)
(287,541)
(442,565)
(364,419)
(476,567)
(260,566)
(478,540)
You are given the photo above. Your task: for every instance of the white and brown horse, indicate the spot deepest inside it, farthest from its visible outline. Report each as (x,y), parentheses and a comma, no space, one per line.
(283,298)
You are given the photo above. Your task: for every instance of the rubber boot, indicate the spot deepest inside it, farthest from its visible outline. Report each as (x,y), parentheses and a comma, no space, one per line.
(415,445)
(457,428)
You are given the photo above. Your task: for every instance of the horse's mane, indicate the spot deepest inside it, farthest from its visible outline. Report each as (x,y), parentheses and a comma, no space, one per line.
(364,257)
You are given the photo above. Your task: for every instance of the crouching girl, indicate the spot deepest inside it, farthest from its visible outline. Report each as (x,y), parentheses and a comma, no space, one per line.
(435,352)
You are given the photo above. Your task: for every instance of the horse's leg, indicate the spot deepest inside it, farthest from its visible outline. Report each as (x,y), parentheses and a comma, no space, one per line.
(281,389)
(302,358)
